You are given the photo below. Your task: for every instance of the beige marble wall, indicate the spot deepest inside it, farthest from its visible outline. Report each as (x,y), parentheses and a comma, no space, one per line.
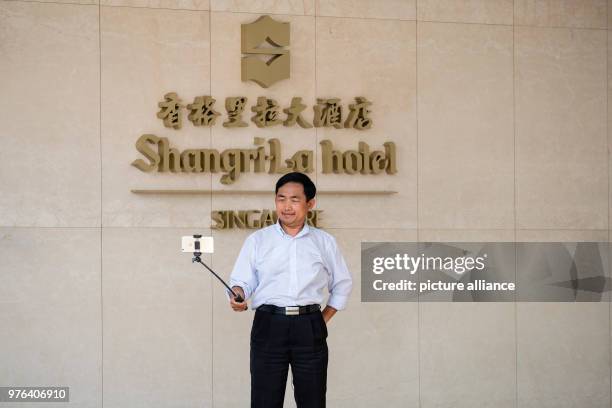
(500,113)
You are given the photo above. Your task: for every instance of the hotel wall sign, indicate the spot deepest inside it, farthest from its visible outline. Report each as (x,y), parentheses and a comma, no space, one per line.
(262,38)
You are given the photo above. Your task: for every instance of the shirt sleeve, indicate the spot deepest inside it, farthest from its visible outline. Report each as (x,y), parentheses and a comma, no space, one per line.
(341,282)
(243,273)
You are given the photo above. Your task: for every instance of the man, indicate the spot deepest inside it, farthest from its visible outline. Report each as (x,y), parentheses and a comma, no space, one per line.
(284,269)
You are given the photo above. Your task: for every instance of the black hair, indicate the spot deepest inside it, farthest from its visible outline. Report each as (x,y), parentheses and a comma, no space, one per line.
(296,177)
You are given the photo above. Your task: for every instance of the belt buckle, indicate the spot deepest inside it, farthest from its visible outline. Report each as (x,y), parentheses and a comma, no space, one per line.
(292,310)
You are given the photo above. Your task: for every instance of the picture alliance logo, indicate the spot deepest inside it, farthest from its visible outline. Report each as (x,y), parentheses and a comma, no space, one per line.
(406,262)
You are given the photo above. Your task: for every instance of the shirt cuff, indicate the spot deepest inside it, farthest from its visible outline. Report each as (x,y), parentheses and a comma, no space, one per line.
(338,302)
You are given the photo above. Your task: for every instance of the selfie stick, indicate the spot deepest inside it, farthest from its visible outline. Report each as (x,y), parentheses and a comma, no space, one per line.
(196,258)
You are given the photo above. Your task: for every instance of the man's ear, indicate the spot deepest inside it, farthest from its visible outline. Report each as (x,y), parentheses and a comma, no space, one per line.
(311,203)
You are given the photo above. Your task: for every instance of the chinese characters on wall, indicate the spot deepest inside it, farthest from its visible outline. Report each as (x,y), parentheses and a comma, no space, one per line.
(266,112)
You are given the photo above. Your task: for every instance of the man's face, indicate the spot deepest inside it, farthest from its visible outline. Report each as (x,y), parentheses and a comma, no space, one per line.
(291,204)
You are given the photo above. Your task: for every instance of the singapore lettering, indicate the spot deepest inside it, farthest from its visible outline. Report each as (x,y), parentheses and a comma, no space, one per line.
(253,219)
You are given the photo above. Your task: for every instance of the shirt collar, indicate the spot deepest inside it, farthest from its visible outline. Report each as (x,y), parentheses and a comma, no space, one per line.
(305,229)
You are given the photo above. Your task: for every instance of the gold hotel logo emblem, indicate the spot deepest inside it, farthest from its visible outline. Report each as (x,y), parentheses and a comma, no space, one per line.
(265,37)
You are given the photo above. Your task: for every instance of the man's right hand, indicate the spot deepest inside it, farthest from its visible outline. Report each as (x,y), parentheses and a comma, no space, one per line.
(238,306)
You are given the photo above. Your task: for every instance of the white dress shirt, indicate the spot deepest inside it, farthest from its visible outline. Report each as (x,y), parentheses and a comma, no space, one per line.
(275,268)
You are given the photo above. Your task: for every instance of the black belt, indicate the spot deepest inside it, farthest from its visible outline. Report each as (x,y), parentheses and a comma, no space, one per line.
(290,310)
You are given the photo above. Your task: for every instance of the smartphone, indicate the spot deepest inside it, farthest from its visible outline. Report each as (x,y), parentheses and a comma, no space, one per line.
(197,243)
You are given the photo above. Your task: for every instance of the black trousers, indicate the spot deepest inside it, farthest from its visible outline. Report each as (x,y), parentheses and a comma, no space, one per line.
(278,341)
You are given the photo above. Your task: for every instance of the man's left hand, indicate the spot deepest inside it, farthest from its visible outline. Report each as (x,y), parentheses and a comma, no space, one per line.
(327,313)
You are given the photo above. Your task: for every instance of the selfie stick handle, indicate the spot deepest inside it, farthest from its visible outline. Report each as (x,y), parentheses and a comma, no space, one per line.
(196,258)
